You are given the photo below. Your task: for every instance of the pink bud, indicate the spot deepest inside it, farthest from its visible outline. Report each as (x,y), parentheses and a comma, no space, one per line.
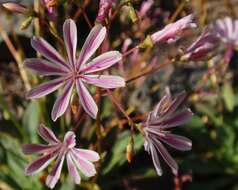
(104,7)
(15,7)
(174,31)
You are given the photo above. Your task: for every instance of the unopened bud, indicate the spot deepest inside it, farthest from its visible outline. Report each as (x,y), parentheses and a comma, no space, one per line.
(26,23)
(147,43)
(74,104)
(15,7)
(130,151)
(133,15)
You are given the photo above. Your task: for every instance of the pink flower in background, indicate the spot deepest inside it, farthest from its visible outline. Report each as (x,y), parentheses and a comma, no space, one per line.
(74,72)
(199,49)
(165,116)
(50,5)
(174,31)
(145,7)
(104,7)
(227,30)
(77,159)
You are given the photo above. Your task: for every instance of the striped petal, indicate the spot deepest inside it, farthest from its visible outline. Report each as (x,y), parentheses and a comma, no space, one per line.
(54,175)
(102,62)
(105,81)
(38,148)
(47,134)
(39,164)
(178,142)
(89,155)
(155,158)
(86,100)
(62,101)
(43,47)
(93,41)
(73,169)
(45,88)
(70,39)
(86,167)
(166,156)
(43,67)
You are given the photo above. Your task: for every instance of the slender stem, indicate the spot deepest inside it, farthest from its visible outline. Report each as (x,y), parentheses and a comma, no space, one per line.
(119,107)
(130,51)
(87,19)
(152,70)
(177,12)
(17,56)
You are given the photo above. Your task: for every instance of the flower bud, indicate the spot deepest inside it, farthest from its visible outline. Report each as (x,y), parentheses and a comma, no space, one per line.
(26,23)
(15,7)
(174,31)
(130,151)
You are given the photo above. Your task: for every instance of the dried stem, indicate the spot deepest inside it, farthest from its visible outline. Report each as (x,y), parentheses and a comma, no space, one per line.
(17,56)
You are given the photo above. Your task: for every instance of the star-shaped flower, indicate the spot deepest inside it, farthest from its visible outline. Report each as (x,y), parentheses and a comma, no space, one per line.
(227,30)
(165,116)
(77,159)
(74,72)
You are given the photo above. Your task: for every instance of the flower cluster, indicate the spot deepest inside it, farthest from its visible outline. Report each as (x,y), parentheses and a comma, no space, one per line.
(77,159)
(167,114)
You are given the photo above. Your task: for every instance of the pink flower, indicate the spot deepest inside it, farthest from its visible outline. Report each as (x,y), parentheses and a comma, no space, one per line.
(50,5)
(74,72)
(104,7)
(77,159)
(165,116)
(174,31)
(145,7)
(199,49)
(227,30)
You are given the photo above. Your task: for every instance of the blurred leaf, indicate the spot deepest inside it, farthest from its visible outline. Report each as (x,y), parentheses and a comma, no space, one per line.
(118,157)
(15,162)
(228,96)
(31,119)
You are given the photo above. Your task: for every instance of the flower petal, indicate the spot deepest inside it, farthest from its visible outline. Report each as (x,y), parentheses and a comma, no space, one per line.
(54,175)
(86,167)
(62,101)
(93,41)
(73,169)
(105,81)
(39,164)
(102,62)
(177,119)
(162,104)
(86,99)
(38,148)
(166,156)
(70,39)
(89,155)
(47,134)
(155,157)
(45,88)
(43,47)
(69,139)
(177,141)
(44,67)
(178,101)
